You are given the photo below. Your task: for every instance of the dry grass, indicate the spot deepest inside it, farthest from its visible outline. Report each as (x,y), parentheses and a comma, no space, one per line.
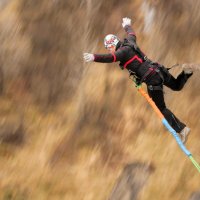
(77,148)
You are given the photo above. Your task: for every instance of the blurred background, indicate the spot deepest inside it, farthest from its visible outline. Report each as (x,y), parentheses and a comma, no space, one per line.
(67,128)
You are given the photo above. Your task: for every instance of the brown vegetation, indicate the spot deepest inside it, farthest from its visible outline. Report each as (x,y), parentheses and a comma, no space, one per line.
(78,125)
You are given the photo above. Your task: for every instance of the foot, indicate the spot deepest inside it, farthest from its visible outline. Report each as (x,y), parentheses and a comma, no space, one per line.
(184,134)
(187,69)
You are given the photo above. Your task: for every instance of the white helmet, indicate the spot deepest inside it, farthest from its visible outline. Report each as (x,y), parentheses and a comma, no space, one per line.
(111,41)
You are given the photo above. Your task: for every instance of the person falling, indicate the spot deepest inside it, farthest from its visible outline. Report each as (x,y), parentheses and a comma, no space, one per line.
(144,70)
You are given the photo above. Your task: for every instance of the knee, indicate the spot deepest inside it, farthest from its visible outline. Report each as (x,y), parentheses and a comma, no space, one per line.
(178,88)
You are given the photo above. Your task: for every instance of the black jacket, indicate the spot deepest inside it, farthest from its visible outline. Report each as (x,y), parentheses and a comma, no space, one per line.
(128,56)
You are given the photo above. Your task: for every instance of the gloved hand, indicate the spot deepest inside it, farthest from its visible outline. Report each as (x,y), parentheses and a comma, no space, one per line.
(88,57)
(126,21)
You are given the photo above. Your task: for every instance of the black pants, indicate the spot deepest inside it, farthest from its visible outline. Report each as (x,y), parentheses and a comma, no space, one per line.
(157,95)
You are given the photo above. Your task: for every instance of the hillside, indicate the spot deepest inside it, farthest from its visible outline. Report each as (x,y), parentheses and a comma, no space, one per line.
(68,129)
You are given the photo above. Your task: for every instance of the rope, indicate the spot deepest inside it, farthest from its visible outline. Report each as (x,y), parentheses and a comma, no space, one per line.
(167,125)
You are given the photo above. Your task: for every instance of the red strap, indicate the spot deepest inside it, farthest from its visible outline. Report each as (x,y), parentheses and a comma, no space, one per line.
(132,33)
(114,57)
(132,59)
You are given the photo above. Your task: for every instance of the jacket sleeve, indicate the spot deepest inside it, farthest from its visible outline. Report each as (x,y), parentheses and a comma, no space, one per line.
(131,33)
(111,57)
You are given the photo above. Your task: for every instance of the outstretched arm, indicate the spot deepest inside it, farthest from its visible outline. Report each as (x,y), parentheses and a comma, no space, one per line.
(126,24)
(105,58)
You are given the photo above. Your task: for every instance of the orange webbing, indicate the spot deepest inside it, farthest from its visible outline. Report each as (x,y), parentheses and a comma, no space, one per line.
(151,102)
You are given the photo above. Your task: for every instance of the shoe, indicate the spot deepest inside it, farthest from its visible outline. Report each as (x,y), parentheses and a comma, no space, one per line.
(187,69)
(184,134)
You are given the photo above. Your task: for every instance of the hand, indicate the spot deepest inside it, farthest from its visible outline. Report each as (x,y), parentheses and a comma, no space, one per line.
(88,57)
(126,22)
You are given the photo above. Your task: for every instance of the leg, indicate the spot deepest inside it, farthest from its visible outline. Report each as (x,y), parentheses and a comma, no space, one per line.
(158,97)
(175,84)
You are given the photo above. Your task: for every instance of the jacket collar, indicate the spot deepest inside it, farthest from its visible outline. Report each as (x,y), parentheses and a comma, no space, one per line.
(118,45)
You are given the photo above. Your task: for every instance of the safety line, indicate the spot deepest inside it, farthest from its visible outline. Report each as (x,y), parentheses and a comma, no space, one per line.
(167,125)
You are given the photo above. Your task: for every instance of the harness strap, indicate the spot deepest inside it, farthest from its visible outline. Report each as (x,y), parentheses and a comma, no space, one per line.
(152,70)
(132,59)
(154,87)
(149,73)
